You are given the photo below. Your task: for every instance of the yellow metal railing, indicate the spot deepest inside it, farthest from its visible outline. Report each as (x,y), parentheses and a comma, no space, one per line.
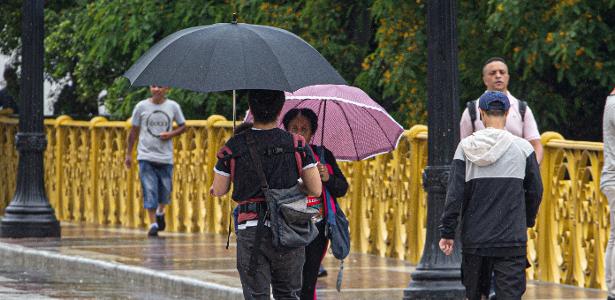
(86,180)
(572,230)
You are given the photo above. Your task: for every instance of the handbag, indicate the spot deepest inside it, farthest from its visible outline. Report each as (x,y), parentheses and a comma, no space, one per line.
(336,229)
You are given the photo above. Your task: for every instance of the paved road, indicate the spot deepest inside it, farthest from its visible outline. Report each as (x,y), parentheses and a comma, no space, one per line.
(203,258)
(17,283)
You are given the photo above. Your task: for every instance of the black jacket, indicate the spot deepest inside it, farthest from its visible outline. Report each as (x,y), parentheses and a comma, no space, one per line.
(495,186)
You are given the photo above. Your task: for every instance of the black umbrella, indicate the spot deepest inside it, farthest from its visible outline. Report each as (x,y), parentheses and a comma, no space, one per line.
(232,56)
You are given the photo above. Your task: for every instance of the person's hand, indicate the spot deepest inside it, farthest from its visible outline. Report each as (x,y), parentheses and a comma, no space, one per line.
(128,161)
(166,135)
(211,191)
(324,173)
(446,246)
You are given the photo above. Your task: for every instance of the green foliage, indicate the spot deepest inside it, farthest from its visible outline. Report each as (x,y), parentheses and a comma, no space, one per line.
(398,66)
(560,57)
(563,52)
(560,53)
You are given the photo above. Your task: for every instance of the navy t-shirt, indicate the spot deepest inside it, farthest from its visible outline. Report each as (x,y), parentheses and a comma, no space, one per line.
(280,168)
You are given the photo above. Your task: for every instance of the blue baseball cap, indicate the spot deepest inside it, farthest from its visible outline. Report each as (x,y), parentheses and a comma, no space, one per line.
(492,100)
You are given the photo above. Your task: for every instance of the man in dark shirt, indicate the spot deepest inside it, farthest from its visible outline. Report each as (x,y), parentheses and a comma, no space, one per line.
(278,268)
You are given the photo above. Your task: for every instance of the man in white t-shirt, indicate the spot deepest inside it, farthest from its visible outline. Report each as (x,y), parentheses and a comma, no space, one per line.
(496,77)
(607,186)
(152,123)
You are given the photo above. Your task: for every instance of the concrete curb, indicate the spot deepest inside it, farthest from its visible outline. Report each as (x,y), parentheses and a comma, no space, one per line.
(159,281)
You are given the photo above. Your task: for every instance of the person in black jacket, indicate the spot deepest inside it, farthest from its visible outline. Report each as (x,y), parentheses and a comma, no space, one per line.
(304,121)
(495,186)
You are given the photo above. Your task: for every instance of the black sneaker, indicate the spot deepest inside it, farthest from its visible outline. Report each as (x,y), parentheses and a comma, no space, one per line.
(153,231)
(160,221)
(322,272)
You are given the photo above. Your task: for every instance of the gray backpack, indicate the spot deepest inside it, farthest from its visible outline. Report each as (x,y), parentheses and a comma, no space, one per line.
(289,216)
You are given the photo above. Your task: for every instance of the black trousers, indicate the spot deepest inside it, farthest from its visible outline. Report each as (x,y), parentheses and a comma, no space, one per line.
(280,268)
(314,253)
(509,274)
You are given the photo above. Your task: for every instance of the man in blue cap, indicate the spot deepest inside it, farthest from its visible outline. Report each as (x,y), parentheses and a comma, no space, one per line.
(495,186)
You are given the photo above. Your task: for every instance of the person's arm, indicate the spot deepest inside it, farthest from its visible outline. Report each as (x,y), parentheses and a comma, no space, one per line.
(132,137)
(170,134)
(312,184)
(532,183)
(336,183)
(222,173)
(465,125)
(310,176)
(220,186)
(454,200)
(537,145)
(181,124)
(531,133)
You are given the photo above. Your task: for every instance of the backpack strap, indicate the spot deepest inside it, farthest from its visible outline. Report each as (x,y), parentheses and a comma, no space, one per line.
(262,215)
(471,105)
(522,109)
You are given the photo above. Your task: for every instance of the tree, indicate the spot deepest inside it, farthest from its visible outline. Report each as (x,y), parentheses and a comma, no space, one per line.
(559,52)
(563,52)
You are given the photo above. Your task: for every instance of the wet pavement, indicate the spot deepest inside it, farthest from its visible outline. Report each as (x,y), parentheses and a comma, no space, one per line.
(20,283)
(204,257)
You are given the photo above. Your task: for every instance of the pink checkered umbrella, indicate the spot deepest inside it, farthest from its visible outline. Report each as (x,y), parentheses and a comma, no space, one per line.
(350,123)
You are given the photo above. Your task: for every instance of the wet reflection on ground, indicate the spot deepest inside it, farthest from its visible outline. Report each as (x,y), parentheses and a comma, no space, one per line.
(204,257)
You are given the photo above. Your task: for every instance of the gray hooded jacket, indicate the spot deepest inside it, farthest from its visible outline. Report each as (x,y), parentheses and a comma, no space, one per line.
(495,186)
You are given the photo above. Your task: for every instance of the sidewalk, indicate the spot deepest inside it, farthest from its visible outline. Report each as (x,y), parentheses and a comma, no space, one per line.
(199,266)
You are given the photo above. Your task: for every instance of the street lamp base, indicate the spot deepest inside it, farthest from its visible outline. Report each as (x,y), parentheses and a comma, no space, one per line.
(25,222)
(29,229)
(435,284)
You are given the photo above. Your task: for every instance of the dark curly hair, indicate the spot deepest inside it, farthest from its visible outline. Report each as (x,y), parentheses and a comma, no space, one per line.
(306,112)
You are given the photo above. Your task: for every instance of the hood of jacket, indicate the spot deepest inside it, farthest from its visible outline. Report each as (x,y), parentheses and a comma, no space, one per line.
(485,147)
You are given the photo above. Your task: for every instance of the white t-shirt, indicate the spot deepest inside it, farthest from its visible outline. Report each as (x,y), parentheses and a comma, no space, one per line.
(152,119)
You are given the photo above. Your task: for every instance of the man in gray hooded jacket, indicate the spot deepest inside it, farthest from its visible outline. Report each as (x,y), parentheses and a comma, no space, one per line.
(495,186)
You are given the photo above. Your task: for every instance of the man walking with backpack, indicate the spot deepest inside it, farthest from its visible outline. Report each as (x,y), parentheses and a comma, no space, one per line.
(495,186)
(257,161)
(520,120)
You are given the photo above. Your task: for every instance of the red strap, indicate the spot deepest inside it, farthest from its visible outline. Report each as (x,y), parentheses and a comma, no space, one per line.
(246,217)
(251,200)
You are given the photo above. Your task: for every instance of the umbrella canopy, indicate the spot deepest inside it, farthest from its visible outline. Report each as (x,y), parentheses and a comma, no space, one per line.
(232,56)
(350,123)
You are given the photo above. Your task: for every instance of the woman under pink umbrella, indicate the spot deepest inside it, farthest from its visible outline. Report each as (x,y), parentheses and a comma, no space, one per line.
(353,127)
(303,121)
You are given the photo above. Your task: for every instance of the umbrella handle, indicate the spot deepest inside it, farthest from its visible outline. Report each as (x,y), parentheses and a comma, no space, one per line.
(234,109)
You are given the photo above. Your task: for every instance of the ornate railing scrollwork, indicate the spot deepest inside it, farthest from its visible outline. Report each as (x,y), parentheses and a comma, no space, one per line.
(86,180)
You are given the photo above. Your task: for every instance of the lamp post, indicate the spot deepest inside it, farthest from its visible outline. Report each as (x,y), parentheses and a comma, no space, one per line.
(439,276)
(29,213)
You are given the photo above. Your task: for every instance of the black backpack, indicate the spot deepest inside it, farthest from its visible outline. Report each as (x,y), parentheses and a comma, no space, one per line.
(471,105)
